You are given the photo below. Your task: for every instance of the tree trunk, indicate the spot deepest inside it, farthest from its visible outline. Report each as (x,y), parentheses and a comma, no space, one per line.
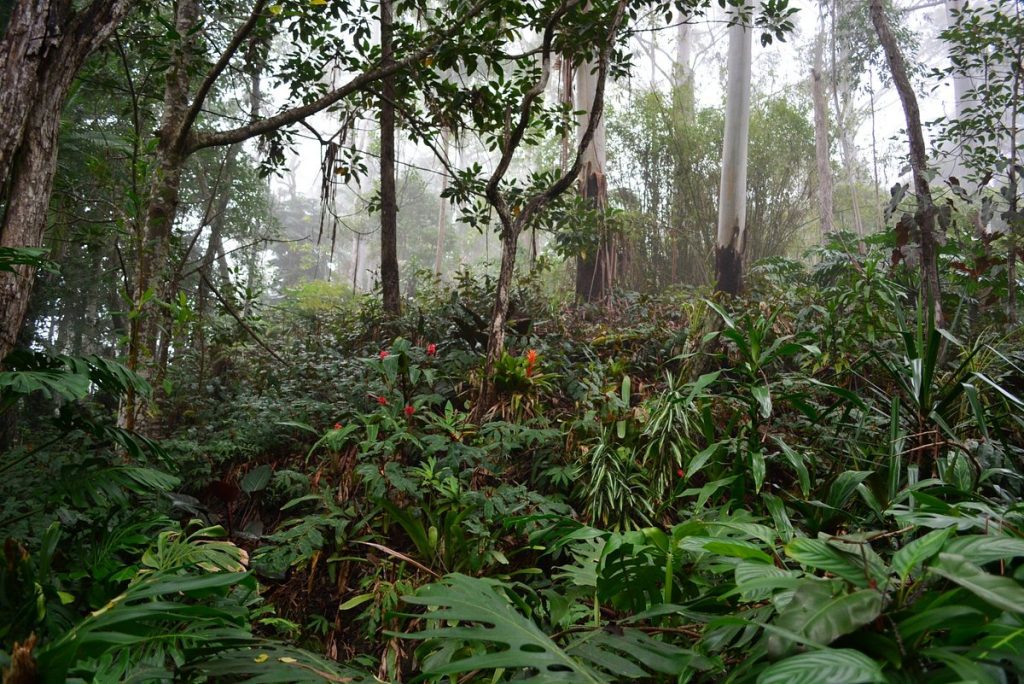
(595,271)
(41,52)
(682,71)
(389,277)
(732,199)
(918,163)
(821,140)
(843,101)
(442,213)
(150,328)
(963,84)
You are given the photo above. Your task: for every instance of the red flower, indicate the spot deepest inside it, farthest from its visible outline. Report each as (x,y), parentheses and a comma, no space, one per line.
(384,354)
(337,426)
(531,359)
(409,410)
(383,401)
(681,473)
(431,349)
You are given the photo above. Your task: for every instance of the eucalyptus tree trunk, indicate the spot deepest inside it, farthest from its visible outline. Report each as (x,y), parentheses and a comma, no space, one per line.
(389,279)
(595,270)
(42,50)
(682,70)
(842,95)
(918,163)
(732,196)
(963,84)
(821,139)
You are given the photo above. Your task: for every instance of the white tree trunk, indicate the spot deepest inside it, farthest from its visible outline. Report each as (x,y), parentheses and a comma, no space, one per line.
(732,201)
(821,139)
(594,271)
(682,71)
(963,84)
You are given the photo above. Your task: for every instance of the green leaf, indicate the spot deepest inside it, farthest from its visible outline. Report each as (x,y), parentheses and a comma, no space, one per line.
(1001,592)
(818,554)
(919,551)
(982,549)
(816,614)
(763,395)
(827,666)
(472,609)
(523,645)
(257,479)
(757,469)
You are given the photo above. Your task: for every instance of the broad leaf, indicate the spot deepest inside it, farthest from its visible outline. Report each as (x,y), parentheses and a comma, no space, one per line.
(826,666)
(919,551)
(821,617)
(1001,592)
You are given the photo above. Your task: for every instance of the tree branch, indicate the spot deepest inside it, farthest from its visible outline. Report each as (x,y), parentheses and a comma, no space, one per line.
(515,136)
(214,73)
(537,202)
(296,114)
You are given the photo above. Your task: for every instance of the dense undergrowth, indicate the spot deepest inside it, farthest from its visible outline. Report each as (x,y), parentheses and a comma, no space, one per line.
(810,485)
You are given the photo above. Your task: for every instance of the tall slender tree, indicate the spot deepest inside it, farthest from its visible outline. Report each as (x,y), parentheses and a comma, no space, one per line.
(595,269)
(732,197)
(925,216)
(821,136)
(389,277)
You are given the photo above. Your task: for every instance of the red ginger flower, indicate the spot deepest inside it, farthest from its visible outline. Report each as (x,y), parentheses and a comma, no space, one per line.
(409,410)
(384,354)
(337,426)
(383,401)
(431,349)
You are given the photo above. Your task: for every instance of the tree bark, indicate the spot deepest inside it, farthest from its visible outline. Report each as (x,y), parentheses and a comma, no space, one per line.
(963,84)
(732,198)
(595,271)
(845,126)
(918,163)
(682,71)
(442,212)
(389,277)
(151,283)
(41,52)
(821,141)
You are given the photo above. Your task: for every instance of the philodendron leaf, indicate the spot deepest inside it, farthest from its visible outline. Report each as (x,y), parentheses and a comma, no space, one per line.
(486,616)
(825,666)
(1001,592)
(472,609)
(919,551)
